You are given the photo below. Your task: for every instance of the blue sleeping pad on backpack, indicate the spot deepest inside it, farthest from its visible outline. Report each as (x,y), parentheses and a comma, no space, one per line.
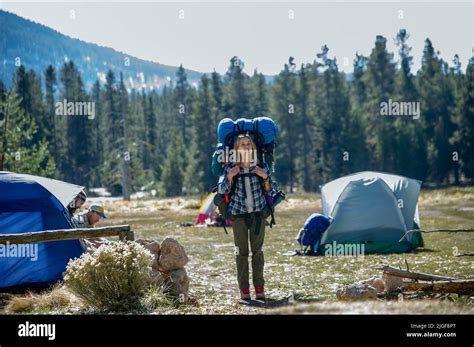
(264,126)
(262,130)
(267,128)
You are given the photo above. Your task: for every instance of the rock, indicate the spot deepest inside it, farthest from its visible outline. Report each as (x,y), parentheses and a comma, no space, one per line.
(155,249)
(392,283)
(168,267)
(176,283)
(180,282)
(375,282)
(172,255)
(152,246)
(357,292)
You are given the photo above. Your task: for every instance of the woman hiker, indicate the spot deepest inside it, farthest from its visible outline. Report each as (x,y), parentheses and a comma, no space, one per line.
(245,181)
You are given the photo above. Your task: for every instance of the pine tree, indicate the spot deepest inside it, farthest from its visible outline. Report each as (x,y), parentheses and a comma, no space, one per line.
(333,119)
(28,87)
(358,96)
(79,133)
(97,161)
(164,106)
(458,81)
(258,95)
(305,127)
(111,170)
(411,158)
(125,150)
(50,87)
(199,176)
(463,116)
(217,93)
(140,179)
(150,131)
(380,130)
(283,108)
(217,96)
(182,102)
(358,86)
(19,152)
(111,113)
(237,95)
(436,96)
(194,179)
(173,167)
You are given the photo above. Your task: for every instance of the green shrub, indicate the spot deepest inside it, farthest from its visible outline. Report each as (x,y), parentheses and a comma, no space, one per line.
(113,278)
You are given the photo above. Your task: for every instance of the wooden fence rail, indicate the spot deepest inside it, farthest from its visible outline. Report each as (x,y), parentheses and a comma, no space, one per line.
(122,231)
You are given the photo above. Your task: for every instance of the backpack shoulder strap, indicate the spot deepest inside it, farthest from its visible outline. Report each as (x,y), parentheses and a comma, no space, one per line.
(227,201)
(272,220)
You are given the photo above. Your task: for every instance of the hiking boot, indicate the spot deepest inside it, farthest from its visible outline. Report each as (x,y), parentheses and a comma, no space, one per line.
(260,293)
(245,293)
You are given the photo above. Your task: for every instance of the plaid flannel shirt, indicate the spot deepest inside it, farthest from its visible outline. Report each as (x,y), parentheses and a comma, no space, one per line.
(237,203)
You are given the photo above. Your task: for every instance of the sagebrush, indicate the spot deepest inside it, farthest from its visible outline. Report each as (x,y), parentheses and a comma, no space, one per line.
(113,278)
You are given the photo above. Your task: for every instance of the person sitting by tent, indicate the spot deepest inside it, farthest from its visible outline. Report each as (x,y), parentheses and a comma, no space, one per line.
(77,203)
(246,204)
(88,219)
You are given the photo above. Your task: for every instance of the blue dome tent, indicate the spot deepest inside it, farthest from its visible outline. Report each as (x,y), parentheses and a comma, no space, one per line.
(28,204)
(372,208)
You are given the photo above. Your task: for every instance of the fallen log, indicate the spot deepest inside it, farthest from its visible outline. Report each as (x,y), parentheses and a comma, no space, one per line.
(122,231)
(411,274)
(462,287)
(436,231)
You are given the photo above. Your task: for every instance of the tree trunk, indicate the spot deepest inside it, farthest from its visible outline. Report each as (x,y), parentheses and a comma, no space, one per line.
(413,275)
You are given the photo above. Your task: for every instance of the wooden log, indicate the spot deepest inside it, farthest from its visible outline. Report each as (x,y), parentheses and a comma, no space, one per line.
(123,231)
(436,231)
(411,274)
(462,287)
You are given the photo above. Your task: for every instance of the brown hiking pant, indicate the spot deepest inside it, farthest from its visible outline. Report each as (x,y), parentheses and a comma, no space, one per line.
(244,227)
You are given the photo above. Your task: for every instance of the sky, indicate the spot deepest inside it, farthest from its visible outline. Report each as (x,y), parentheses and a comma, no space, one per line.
(204,35)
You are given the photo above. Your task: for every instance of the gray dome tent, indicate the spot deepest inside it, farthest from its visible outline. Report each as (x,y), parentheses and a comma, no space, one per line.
(374,209)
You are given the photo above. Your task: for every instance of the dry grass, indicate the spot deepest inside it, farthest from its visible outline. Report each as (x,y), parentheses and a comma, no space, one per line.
(447,196)
(49,301)
(312,281)
(144,206)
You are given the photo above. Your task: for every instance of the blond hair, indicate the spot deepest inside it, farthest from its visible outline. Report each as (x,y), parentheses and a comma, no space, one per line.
(238,150)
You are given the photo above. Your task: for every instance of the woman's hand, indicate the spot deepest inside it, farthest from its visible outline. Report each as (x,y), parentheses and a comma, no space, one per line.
(232,173)
(261,172)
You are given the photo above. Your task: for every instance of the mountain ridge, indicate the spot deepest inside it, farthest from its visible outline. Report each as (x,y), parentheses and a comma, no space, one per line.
(37,46)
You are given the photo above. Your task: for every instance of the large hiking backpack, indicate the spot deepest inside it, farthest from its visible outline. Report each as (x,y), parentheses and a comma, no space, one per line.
(310,235)
(262,130)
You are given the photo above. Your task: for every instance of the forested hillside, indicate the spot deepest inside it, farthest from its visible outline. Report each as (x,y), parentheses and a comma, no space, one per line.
(23,42)
(329,125)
